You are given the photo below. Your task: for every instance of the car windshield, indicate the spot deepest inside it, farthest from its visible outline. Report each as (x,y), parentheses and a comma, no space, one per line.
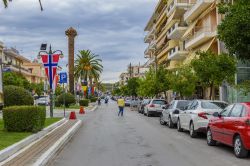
(182,104)
(160,102)
(220,104)
(145,101)
(209,105)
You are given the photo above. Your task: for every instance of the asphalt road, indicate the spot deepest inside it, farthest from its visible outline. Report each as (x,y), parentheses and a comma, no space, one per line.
(136,140)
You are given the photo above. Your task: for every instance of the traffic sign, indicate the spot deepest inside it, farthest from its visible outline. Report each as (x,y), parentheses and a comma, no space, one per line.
(63,78)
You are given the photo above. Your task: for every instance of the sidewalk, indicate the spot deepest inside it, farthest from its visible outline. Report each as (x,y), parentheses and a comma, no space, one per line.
(31,154)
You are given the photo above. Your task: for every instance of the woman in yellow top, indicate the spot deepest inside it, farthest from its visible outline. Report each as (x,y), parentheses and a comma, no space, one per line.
(121,104)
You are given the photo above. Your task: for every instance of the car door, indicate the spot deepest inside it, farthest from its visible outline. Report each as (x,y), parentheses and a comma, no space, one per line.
(231,123)
(190,113)
(217,124)
(183,113)
(168,110)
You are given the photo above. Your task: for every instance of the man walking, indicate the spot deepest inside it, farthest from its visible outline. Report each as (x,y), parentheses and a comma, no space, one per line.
(121,104)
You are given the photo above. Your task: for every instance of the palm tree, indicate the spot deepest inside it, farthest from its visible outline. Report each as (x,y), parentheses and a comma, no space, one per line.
(5,2)
(88,66)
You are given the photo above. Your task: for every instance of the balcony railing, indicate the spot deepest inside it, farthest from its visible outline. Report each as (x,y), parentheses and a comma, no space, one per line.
(197,9)
(177,3)
(150,36)
(200,34)
(177,53)
(17,68)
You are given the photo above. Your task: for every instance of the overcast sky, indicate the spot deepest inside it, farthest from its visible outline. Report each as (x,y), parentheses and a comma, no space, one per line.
(112,29)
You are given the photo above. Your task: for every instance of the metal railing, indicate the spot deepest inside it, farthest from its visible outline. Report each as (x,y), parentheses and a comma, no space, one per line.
(200,30)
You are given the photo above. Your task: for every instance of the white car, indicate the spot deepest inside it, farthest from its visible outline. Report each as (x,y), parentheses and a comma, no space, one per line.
(155,107)
(42,101)
(196,116)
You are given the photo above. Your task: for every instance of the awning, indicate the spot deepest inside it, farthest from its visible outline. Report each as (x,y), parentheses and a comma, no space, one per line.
(205,46)
(190,28)
(162,59)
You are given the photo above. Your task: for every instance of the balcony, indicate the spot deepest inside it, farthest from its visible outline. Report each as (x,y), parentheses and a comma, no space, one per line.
(177,54)
(16,68)
(177,5)
(150,62)
(150,36)
(197,9)
(176,31)
(200,35)
(151,48)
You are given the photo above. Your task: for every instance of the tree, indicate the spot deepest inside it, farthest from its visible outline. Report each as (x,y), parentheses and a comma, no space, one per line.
(244,87)
(38,88)
(16,79)
(88,66)
(183,81)
(234,30)
(212,69)
(132,86)
(5,2)
(162,80)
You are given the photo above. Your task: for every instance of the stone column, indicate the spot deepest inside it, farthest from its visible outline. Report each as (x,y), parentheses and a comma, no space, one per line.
(71,33)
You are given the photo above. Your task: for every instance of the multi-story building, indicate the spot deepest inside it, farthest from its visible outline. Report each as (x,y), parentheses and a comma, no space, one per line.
(178,29)
(124,77)
(14,62)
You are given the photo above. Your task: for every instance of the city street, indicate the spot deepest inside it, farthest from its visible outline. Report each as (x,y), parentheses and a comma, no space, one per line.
(136,140)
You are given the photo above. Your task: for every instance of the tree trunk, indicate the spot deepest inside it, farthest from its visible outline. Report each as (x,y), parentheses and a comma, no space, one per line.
(165,95)
(211,91)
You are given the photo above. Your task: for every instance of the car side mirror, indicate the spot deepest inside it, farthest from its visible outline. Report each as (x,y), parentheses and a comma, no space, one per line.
(216,114)
(176,112)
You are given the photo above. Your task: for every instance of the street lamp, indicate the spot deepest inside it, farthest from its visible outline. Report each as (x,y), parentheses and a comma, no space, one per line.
(50,62)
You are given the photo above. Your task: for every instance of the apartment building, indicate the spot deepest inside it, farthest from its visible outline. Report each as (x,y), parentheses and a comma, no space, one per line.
(180,28)
(14,62)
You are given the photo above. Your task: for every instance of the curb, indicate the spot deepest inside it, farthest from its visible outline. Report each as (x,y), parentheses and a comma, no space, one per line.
(52,151)
(93,109)
(11,150)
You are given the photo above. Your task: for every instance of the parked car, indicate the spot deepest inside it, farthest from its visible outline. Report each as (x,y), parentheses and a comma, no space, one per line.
(127,102)
(142,105)
(231,127)
(42,101)
(170,115)
(196,117)
(155,107)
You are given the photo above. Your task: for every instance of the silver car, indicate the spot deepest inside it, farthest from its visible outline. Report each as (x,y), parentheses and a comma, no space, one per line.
(155,107)
(169,115)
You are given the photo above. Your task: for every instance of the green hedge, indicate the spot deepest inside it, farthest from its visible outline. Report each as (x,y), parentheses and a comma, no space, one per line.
(84,102)
(24,118)
(14,95)
(69,99)
(93,99)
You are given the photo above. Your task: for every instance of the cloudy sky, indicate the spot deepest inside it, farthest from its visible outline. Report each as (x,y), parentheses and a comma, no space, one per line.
(112,29)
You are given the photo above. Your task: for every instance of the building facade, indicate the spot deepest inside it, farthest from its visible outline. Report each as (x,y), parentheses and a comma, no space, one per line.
(178,29)
(14,62)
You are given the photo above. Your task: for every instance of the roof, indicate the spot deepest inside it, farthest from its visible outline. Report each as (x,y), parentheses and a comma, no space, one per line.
(15,53)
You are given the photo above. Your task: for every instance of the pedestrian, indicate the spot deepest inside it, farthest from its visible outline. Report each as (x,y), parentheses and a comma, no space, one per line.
(121,104)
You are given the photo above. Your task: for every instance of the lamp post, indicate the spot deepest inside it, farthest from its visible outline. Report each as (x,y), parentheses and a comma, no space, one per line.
(50,60)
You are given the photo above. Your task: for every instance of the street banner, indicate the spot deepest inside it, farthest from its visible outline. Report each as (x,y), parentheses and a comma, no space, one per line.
(50,63)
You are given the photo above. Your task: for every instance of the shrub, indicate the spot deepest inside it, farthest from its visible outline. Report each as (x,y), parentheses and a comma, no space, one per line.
(84,102)
(69,99)
(24,118)
(14,95)
(93,99)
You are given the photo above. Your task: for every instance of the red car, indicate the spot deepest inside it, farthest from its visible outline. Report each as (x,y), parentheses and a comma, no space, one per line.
(231,127)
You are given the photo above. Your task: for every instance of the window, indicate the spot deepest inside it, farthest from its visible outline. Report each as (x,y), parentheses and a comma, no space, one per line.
(226,111)
(160,102)
(171,106)
(194,105)
(236,111)
(182,104)
(221,105)
(209,105)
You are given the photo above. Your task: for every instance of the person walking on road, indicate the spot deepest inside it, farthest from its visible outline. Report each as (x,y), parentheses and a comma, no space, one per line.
(121,104)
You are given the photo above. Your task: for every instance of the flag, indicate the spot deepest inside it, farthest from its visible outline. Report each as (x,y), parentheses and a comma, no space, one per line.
(50,63)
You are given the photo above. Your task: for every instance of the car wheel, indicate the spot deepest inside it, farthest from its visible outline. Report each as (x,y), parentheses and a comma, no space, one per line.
(179,126)
(170,122)
(210,140)
(239,150)
(192,133)
(162,122)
